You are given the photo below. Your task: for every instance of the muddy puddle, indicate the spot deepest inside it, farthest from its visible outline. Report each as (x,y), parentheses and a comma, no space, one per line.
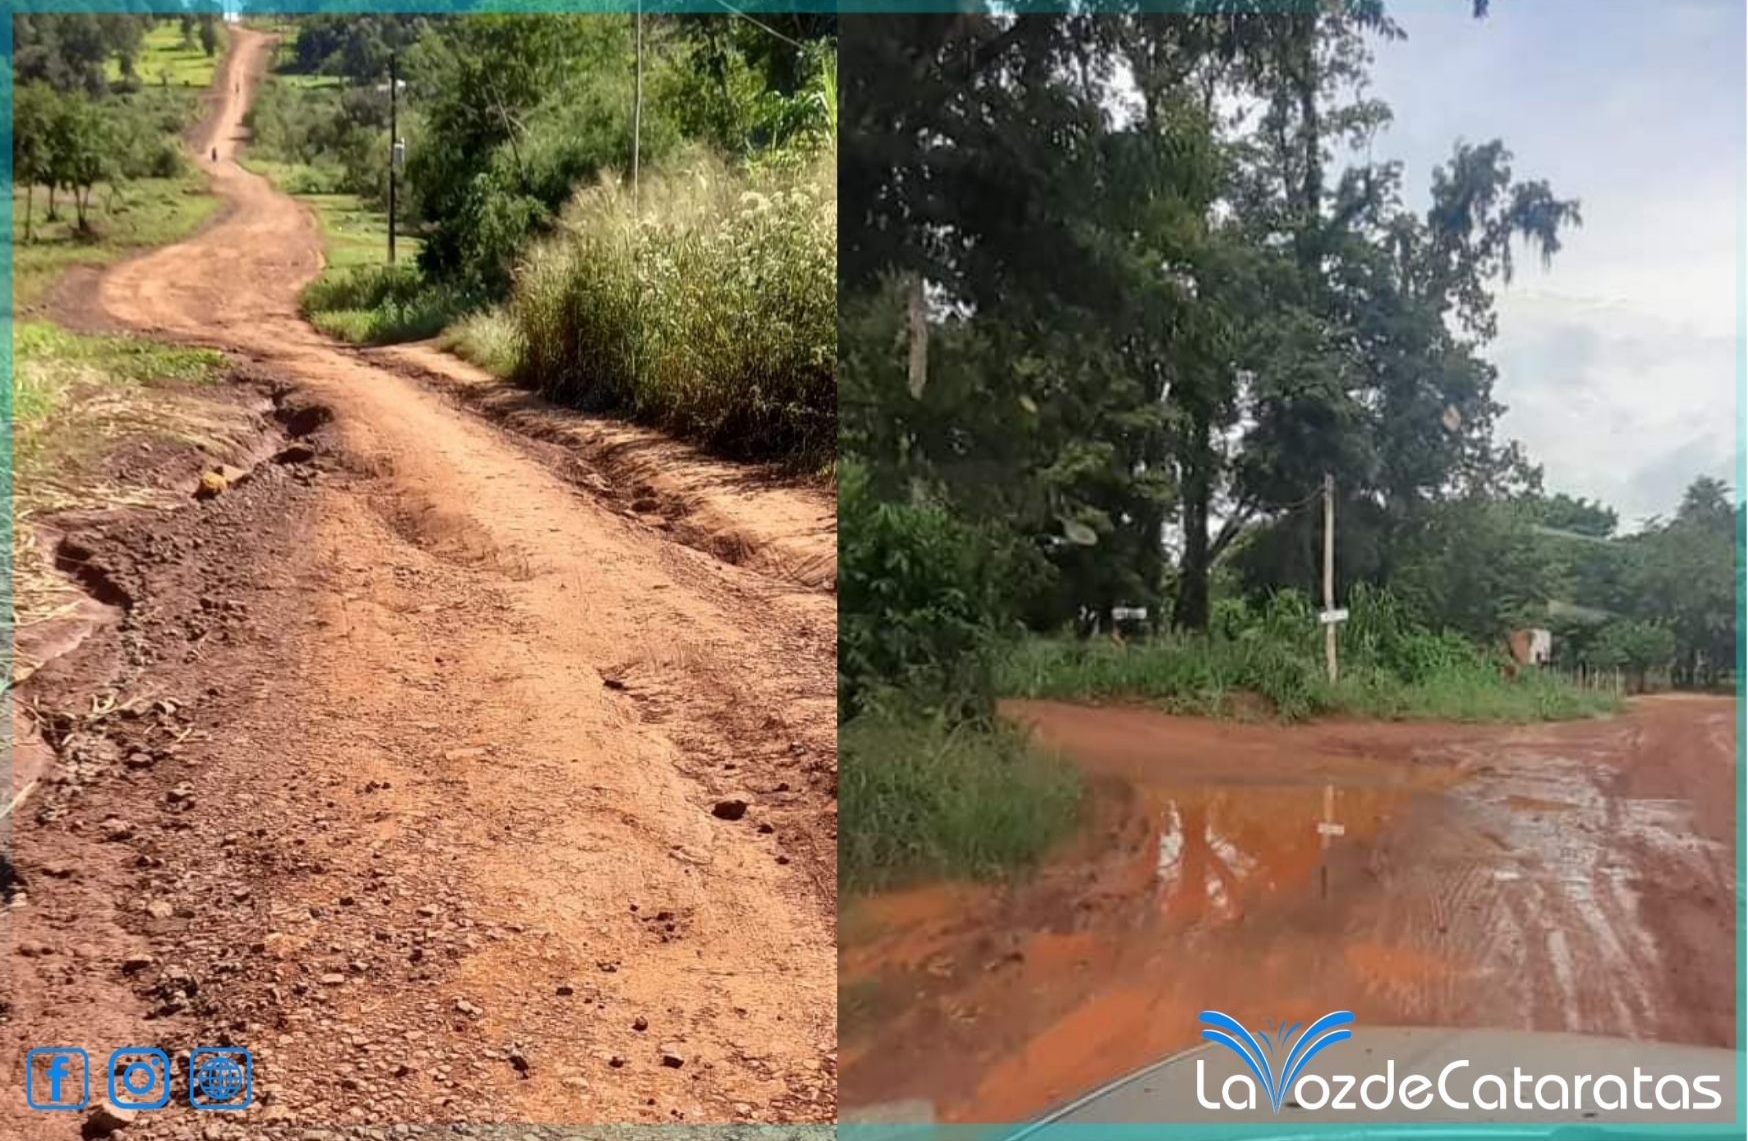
(1416,874)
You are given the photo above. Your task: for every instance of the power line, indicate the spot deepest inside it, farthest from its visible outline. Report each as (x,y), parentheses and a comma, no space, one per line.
(758,24)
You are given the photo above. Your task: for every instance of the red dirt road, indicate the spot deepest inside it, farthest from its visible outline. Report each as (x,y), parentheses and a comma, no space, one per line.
(470,762)
(1575,877)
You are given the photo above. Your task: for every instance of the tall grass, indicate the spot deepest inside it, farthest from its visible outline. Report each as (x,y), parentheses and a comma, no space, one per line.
(921,799)
(707,305)
(1391,668)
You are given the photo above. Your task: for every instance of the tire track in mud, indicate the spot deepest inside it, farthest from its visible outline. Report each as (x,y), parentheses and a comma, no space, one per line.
(1575,877)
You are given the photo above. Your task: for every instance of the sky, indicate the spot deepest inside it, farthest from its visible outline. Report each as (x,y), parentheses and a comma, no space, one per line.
(1617,364)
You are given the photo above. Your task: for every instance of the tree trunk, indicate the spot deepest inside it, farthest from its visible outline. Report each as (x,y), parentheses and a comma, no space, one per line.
(1190,611)
(54,211)
(29,196)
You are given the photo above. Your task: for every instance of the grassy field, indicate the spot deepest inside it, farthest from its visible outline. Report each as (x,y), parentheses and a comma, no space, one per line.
(142,214)
(167,60)
(54,370)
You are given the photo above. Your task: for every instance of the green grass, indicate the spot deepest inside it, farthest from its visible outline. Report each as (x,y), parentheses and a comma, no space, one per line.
(358,298)
(490,339)
(1223,677)
(58,373)
(919,800)
(142,214)
(165,60)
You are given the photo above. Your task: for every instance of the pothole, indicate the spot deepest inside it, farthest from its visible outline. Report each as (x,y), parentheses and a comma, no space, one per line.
(79,563)
(300,418)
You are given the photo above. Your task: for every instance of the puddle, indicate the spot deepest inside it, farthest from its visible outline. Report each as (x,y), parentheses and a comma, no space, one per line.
(1417,875)
(1220,850)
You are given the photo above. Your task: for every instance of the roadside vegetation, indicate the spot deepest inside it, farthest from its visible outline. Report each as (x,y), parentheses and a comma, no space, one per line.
(100,173)
(699,296)
(1096,369)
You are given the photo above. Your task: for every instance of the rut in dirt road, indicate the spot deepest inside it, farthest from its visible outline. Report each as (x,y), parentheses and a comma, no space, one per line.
(470,820)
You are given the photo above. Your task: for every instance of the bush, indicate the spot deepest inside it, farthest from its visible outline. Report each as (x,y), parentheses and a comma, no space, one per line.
(378,304)
(711,314)
(915,604)
(920,798)
(1391,667)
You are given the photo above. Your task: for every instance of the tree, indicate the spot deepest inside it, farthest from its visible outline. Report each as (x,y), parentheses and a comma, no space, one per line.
(1682,573)
(82,151)
(33,124)
(209,33)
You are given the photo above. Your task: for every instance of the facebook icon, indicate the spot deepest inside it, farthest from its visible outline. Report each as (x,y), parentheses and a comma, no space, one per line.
(57,1077)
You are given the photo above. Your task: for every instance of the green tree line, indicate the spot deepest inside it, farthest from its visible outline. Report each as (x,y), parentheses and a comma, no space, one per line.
(74,128)
(1119,291)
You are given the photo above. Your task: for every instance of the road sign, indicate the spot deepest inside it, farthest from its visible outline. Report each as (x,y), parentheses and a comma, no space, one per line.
(1331,617)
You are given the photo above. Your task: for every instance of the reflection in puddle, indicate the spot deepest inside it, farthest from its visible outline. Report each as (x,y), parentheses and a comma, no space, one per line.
(1220,848)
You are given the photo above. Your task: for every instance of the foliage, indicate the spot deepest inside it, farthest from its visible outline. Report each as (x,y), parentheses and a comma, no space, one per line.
(1392,667)
(707,305)
(380,304)
(916,595)
(339,136)
(923,798)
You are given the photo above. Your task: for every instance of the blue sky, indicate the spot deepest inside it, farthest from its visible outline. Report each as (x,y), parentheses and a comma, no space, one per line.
(1618,364)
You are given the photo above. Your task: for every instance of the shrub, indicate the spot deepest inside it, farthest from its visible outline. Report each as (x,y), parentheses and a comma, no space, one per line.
(378,304)
(710,311)
(921,797)
(915,604)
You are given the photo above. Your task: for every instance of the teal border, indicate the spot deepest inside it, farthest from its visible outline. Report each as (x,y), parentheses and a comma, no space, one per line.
(1260,1131)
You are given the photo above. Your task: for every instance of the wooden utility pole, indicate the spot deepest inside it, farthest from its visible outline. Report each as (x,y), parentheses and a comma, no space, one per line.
(637,114)
(1329,573)
(394,145)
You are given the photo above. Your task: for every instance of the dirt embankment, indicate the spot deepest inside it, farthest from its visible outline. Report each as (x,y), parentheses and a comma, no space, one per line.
(1575,877)
(455,794)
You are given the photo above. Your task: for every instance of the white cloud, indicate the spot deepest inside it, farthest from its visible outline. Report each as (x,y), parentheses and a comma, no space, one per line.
(1619,364)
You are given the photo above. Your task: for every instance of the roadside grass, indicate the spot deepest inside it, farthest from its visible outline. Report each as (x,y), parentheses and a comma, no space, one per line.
(923,800)
(75,399)
(142,214)
(489,339)
(709,311)
(1223,677)
(358,297)
(166,59)
(73,393)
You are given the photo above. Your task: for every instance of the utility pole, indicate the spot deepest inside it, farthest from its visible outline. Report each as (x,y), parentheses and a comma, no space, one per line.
(637,114)
(1329,611)
(394,144)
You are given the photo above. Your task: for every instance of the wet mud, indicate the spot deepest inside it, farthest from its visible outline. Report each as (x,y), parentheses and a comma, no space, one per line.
(1574,877)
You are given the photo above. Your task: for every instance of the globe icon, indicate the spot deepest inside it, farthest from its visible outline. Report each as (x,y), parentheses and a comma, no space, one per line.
(219,1078)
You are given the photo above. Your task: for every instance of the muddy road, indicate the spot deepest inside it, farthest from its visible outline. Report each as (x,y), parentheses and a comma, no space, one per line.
(427,809)
(1572,877)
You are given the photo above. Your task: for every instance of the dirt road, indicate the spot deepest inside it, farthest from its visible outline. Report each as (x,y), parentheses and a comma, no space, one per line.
(1573,877)
(438,831)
